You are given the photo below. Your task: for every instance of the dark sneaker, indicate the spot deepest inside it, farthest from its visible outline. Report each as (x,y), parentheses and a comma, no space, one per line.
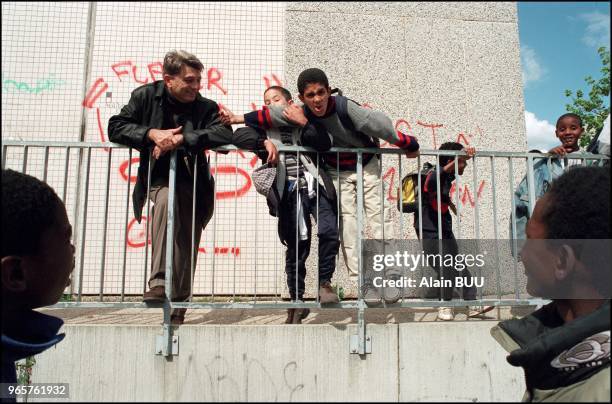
(177,317)
(157,294)
(327,294)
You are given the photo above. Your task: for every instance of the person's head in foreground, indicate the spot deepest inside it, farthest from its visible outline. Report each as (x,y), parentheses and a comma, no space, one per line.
(566,255)
(37,252)
(564,347)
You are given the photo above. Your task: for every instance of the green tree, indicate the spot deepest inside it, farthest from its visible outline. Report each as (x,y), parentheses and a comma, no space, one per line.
(592,110)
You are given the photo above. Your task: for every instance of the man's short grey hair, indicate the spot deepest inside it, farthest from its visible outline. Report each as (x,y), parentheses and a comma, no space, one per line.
(174,61)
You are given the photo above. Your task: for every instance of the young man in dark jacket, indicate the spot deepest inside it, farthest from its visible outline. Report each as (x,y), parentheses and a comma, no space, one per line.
(304,189)
(37,259)
(564,347)
(159,118)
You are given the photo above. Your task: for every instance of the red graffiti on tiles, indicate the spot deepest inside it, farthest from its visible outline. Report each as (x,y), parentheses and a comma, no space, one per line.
(94,92)
(136,239)
(214,76)
(277,81)
(126,67)
(123,169)
(236,171)
(136,233)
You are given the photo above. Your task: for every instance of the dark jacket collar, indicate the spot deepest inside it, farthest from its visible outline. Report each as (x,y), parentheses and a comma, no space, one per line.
(29,333)
(546,342)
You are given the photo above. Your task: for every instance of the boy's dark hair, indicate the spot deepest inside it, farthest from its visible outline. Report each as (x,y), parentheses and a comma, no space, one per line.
(283,91)
(311,76)
(29,207)
(579,209)
(444,160)
(569,115)
(579,205)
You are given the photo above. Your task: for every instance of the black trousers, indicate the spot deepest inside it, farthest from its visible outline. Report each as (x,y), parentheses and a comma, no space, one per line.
(448,245)
(298,250)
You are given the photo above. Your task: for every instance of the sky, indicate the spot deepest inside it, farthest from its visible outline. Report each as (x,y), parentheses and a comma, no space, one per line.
(559,42)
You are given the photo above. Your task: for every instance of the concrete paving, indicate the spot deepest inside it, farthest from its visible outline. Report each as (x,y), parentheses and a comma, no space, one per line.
(141,316)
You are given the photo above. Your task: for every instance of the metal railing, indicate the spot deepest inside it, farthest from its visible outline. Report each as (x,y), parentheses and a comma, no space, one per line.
(73,175)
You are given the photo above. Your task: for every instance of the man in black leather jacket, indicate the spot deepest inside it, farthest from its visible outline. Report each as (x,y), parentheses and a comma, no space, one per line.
(160,117)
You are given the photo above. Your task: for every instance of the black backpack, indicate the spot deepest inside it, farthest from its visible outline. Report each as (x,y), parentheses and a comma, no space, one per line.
(408,193)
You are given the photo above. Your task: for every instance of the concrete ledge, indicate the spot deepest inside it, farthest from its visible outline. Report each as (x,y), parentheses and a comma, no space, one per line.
(445,361)
(455,362)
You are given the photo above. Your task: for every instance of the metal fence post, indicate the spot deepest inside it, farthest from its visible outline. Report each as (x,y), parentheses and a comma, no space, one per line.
(360,343)
(166,340)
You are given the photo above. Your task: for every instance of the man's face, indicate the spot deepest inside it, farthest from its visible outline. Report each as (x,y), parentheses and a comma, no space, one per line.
(316,97)
(48,273)
(569,131)
(185,85)
(275,97)
(538,256)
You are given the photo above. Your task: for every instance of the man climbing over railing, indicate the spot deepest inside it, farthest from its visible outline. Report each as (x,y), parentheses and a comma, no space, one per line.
(163,116)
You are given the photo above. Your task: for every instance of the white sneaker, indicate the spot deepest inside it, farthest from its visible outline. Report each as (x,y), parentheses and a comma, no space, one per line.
(445,313)
(371,295)
(476,311)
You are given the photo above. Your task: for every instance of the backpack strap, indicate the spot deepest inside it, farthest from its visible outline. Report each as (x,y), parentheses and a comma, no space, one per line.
(342,111)
(345,119)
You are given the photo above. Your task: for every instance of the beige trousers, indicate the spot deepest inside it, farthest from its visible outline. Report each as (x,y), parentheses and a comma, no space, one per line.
(181,268)
(373,203)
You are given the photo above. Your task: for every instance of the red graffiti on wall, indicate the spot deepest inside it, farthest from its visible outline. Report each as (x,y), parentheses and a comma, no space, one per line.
(391,195)
(465,194)
(433,127)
